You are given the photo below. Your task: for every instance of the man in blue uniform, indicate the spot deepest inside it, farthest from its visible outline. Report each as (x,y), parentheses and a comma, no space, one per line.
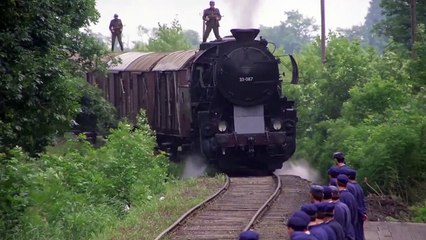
(211,16)
(315,225)
(347,198)
(329,220)
(333,172)
(342,213)
(316,193)
(297,227)
(358,192)
(339,162)
(321,215)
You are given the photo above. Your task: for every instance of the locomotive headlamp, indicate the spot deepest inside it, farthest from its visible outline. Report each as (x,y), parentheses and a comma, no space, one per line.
(276,124)
(222,126)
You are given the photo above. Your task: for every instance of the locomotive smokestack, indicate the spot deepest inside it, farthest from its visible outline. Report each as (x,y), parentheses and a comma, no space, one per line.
(244,35)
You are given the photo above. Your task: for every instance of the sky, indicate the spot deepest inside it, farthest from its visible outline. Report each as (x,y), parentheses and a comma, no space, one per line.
(236,14)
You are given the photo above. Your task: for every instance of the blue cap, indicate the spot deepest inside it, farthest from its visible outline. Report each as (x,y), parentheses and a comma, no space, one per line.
(334,192)
(333,171)
(309,209)
(316,189)
(342,178)
(321,207)
(303,215)
(299,220)
(351,173)
(329,207)
(249,235)
(327,192)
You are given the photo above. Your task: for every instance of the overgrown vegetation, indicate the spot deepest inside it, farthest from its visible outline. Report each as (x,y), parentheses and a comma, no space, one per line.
(162,210)
(371,106)
(165,38)
(76,194)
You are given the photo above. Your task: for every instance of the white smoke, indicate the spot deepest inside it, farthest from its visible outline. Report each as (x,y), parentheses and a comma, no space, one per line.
(299,168)
(244,12)
(194,166)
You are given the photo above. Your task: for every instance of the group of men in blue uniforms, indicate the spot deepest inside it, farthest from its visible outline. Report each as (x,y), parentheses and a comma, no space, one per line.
(336,212)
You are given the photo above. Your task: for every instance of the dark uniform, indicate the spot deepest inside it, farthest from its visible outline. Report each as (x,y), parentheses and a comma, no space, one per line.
(358,192)
(298,222)
(347,198)
(342,214)
(337,228)
(211,16)
(116,28)
(321,214)
(315,229)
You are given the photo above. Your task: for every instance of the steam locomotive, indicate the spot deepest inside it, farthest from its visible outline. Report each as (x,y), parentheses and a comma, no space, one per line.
(223,101)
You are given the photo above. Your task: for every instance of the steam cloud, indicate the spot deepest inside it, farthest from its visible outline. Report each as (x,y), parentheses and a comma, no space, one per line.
(244,12)
(194,166)
(300,168)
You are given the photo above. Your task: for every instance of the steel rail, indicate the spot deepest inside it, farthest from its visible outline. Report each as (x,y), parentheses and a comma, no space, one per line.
(192,210)
(267,204)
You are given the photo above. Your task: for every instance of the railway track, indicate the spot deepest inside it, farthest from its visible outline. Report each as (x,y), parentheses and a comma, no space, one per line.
(294,193)
(231,210)
(259,203)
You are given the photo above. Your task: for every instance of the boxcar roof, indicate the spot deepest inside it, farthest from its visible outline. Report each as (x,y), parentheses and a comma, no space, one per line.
(145,63)
(126,59)
(175,61)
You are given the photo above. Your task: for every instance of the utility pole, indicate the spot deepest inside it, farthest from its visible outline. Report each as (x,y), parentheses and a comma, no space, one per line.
(323,31)
(413,26)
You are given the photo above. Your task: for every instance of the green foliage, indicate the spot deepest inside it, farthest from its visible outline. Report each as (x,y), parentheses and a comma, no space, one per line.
(324,88)
(39,68)
(367,34)
(293,33)
(193,38)
(397,21)
(97,114)
(16,181)
(369,106)
(165,38)
(419,213)
(417,67)
(371,100)
(79,192)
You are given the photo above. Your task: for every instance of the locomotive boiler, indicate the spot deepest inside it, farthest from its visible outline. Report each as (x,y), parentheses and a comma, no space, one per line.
(223,101)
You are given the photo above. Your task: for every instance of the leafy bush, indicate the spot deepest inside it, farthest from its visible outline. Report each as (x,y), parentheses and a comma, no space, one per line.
(77,193)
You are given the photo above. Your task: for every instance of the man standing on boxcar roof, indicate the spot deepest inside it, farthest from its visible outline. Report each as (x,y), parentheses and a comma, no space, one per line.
(116,28)
(211,16)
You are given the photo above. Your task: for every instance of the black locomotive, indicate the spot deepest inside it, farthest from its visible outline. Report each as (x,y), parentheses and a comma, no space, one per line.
(239,115)
(223,100)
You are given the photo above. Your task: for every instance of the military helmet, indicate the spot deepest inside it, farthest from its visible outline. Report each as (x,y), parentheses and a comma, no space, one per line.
(338,155)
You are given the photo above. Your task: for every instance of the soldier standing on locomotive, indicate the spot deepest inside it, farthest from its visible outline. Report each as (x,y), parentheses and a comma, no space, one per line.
(116,28)
(211,16)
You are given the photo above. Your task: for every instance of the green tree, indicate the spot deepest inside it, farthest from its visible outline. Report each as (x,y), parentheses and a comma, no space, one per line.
(42,56)
(193,37)
(293,33)
(397,21)
(366,33)
(164,38)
